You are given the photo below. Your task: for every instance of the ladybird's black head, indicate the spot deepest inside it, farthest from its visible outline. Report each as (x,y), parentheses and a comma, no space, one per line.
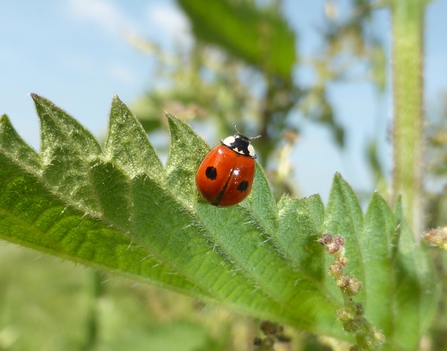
(241,144)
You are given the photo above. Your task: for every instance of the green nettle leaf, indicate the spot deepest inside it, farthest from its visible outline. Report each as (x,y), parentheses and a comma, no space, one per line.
(119,210)
(259,36)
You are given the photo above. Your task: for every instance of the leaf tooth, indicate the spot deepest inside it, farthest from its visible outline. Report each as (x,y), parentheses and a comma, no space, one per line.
(186,152)
(127,144)
(375,244)
(344,217)
(58,128)
(16,149)
(66,151)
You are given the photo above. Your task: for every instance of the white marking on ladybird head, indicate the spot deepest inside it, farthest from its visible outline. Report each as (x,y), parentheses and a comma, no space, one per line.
(228,141)
(251,151)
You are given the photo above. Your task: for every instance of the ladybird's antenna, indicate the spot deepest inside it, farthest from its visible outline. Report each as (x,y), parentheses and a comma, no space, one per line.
(250,138)
(256,137)
(235,128)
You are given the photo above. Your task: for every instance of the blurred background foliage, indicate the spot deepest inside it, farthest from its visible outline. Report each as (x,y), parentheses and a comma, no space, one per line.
(240,69)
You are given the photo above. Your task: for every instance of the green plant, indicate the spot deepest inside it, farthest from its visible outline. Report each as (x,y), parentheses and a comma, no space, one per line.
(118,209)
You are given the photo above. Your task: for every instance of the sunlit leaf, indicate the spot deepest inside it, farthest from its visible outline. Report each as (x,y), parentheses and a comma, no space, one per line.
(120,210)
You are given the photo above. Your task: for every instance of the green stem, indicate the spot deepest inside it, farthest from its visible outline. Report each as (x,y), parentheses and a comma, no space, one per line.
(93,287)
(407,18)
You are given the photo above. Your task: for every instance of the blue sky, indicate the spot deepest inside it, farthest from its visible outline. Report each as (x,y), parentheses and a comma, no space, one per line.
(73,53)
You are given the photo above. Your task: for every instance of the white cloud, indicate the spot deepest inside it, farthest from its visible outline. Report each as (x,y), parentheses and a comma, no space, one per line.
(170,21)
(164,22)
(103,12)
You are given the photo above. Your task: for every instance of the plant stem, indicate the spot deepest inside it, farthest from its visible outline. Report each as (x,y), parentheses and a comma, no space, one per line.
(407,18)
(93,286)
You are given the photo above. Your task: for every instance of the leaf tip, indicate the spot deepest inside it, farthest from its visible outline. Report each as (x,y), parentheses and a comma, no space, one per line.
(169,115)
(174,121)
(5,123)
(398,209)
(36,98)
(39,101)
(337,180)
(116,100)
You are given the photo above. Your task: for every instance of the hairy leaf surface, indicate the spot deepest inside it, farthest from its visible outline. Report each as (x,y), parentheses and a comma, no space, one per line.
(118,209)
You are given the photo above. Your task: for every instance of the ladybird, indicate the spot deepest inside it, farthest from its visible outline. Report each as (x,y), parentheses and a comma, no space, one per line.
(226,174)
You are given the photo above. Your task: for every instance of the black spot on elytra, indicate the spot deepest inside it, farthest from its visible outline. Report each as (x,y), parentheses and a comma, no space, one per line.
(242,186)
(211,173)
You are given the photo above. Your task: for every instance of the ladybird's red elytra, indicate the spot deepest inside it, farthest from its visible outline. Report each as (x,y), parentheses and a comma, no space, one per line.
(226,174)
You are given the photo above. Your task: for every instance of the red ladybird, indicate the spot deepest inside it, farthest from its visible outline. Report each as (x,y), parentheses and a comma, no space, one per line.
(226,175)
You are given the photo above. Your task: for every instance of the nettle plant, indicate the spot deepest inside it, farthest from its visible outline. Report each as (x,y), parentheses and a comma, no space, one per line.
(118,209)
